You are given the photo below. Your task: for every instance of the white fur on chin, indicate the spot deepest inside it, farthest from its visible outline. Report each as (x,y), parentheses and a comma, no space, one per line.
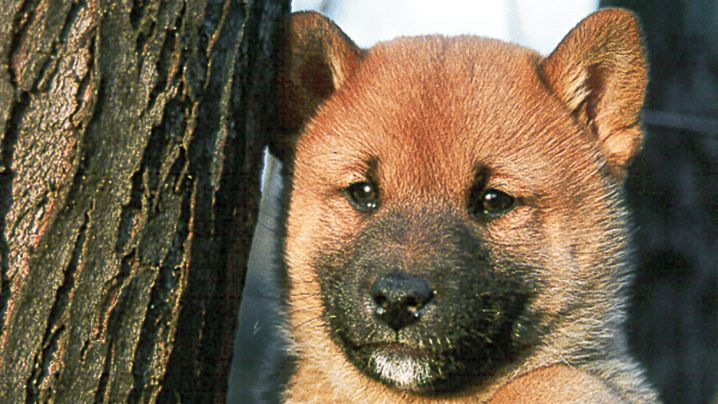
(399,368)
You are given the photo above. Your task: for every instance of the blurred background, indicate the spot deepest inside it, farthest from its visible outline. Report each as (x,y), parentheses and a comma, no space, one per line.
(672,187)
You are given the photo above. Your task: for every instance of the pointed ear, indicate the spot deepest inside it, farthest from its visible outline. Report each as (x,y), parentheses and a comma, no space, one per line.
(599,72)
(316,59)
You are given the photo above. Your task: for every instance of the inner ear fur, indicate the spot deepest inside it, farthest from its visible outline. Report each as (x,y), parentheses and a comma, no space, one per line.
(599,72)
(316,59)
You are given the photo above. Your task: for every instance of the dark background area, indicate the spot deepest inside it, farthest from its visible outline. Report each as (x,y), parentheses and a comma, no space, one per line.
(672,190)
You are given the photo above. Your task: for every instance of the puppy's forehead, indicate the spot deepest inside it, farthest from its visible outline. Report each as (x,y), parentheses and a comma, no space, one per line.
(442,66)
(447,102)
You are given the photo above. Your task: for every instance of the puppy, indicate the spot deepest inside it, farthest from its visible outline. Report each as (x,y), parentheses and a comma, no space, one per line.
(455,229)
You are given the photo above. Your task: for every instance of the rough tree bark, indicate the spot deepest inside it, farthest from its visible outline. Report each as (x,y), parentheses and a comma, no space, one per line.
(130,137)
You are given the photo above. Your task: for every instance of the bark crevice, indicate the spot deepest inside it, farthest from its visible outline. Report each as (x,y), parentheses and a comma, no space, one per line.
(6,202)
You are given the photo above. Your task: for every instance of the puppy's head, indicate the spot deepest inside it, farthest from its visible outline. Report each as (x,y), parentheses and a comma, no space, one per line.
(453,200)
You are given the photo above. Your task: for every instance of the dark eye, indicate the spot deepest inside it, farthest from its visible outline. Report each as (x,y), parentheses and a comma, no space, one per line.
(490,203)
(363,196)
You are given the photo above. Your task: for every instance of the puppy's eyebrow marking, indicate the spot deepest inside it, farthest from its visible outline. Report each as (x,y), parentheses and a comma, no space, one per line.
(359,170)
(481,175)
(372,171)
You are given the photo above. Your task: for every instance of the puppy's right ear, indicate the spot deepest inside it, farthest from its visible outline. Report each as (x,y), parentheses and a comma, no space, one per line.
(316,59)
(599,72)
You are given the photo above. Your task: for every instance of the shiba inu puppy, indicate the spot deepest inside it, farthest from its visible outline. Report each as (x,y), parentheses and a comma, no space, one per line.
(455,230)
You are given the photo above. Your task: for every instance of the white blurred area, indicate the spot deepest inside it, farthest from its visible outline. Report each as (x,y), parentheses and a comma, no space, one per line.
(537,24)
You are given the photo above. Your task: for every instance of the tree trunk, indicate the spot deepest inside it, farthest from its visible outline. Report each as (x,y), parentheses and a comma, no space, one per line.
(130,143)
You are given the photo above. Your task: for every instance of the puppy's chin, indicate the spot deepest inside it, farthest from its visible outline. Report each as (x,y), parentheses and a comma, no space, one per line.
(400,368)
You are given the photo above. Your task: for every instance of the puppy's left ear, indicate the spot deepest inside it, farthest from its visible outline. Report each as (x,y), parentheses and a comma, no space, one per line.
(317,58)
(599,72)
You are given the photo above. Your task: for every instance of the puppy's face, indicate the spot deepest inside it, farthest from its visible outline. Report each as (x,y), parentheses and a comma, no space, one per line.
(447,205)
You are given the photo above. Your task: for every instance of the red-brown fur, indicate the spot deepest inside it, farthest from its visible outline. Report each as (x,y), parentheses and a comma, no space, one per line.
(557,132)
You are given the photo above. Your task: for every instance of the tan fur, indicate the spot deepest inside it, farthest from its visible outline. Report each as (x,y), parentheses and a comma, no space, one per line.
(554,384)
(558,132)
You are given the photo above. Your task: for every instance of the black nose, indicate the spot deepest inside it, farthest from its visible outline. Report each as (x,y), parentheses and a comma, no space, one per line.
(399,299)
